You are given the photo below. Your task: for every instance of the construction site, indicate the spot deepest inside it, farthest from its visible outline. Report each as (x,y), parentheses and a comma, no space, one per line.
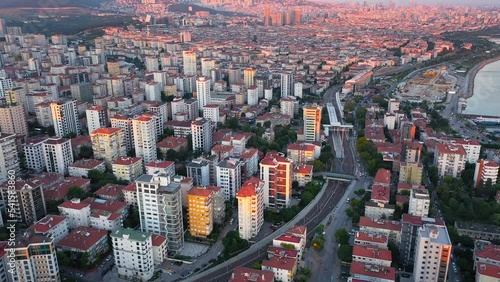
(428,85)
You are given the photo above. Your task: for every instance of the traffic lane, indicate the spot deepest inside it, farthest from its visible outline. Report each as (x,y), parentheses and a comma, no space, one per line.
(311,220)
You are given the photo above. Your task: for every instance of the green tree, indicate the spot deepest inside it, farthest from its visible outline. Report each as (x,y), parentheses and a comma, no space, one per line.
(342,236)
(360,192)
(76,192)
(257,265)
(96,176)
(287,246)
(86,152)
(62,259)
(318,165)
(344,253)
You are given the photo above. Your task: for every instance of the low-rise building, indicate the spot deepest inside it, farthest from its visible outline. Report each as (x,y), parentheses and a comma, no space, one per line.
(82,167)
(284,269)
(371,239)
(113,192)
(133,253)
(420,202)
(389,228)
(160,253)
(449,159)
(84,239)
(487,272)
(302,174)
(127,168)
(372,255)
(52,226)
(379,210)
(485,171)
(477,230)
(370,272)
(158,166)
(245,274)
(76,212)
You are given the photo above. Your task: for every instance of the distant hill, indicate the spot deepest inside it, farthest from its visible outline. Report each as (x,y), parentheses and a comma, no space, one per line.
(48,3)
(184,8)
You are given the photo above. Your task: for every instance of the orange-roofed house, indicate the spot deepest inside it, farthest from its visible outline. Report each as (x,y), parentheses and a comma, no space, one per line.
(371,272)
(245,274)
(288,239)
(250,208)
(372,255)
(284,268)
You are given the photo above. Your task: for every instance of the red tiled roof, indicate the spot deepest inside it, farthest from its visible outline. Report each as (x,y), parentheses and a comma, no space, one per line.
(82,238)
(105,205)
(246,191)
(157,240)
(107,130)
(380,224)
(87,163)
(160,164)
(280,263)
(376,271)
(112,216)
(126,161)
(490,252)
(200,191)
(282,252)
(301,147)
(381,193)
(46,223)
(76,205)
(112,190)
(372,252)
(245,274)
(130,187)
(450,149)
(369,237)
(383,176)
(288,237)
(488,270)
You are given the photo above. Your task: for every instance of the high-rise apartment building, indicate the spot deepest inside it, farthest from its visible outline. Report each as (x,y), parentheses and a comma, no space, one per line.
(252,96)
(113,67)
(65,117)
(58,155)
(152,63)
(207,64)
(287,84)
(199,171)
(432,254)
(203,91)
(449,159)
(31,202)
(250,208)
(13,120)
(82,92)
(160,208)
(200,210)
(420,202)
(485,171)
(249,77)
(97,117)
(234,76)
(125,122)
(108,144)
(145,138)
(228,174)
(312,123)
(33,153)
(201,130)
(9,160)
(276,172)
(267,16)
(35,258)
(189,62)
(133,254)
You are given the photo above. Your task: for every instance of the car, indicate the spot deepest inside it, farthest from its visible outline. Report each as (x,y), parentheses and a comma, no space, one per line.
(405,275)
(348,200)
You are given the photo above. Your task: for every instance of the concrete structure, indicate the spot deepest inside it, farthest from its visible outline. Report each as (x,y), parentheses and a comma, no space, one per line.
(52,226)
(13,120)
(160,208)
(477,230)
(284,269)
(250,208)
(9,160)
(58,155)
(199,171)
(82,167)
(127,168)
(420,202)
(35,258)
(433,247)
(33,154)
(485,171)
(245,274)
(65,117)
(189,62)
(411,173)
(228,173)
(200,211)
(372,255)
(201,130)
(85,239)
(287,84)
(449,159)
(97,117)
(487,272)
(203,91)
(370,272)
(133,253)
(76,212)
(312,123)
(145,138)
(31,201)
(276,172)
(108,144)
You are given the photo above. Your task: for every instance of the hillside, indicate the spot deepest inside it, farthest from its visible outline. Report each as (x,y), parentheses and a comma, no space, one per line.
(184,8)
(49,3)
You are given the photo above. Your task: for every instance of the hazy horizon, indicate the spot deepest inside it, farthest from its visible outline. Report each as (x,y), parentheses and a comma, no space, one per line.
(431,2)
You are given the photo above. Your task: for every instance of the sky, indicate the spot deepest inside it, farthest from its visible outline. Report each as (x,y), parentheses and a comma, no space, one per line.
(405,2)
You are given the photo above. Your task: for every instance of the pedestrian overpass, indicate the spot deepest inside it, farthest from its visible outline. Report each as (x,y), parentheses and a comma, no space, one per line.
(335,176)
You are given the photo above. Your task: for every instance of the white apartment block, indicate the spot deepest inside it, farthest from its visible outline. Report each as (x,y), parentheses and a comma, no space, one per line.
(108,144)
(160,252)
(77,213)
(58,155)
(13,120)
(432,254)
(133,254)
(212,112)
(145,138)
(82,167)
(485,170)
(160,208)
(199,171)
(33,153)
(287,106)
(472,149)
(153,91)
(203,91)
(125,122)
(35,259)
(9,160)
(43,114)
(287,84)
(65,117)
(449,159)
(189,62)
(420,202)
(298,89)
(106,220)
(97,117)
(53,226)
(201,130)
(252,95)
(228,173)
(250,208)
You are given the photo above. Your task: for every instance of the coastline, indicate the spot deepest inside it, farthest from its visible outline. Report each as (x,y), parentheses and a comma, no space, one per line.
(468,90)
